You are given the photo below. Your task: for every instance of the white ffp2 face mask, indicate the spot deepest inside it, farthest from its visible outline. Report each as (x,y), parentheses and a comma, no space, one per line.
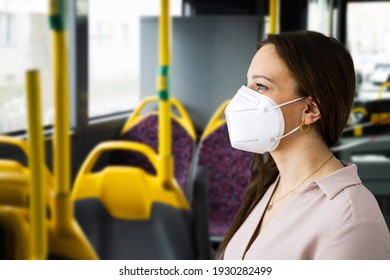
(255,122)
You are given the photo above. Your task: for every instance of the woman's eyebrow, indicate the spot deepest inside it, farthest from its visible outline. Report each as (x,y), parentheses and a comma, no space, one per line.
(264,77)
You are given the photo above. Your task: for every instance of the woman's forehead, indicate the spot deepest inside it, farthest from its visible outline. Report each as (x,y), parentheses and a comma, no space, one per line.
(268,63)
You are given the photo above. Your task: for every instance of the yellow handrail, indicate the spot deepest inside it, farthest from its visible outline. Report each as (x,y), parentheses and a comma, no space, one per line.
(273,16)
(65,236)
(20,143)
(61,133)
(216,120)
(91,184)
(36,164)
(382,87)
(61,209)
(116,145)
(165,173)
(135,116)
(183,118)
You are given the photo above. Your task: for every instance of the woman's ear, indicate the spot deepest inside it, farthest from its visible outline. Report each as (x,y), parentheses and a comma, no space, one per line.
(311,112)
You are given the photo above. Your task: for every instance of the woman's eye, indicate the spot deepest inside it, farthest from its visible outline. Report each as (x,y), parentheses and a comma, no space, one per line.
(261,87)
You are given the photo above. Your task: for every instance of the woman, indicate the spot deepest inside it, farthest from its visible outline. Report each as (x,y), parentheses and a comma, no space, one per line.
(302,203)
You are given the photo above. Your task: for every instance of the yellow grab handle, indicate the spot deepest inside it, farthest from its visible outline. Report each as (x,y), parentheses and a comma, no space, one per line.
(183,118)
(135,116)
(20,143)
(165,170)
(164,37)
(36,164)
(57,14)
(382,87)
(61,161)
(216,120)
(273,16)
(117,145)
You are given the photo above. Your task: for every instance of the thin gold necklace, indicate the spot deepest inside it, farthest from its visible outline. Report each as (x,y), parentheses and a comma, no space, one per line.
(271,204)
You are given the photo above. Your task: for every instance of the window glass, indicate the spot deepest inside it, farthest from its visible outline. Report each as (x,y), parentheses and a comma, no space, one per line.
(322,17)
(318,16)
(368,39)
(25,41)
(114,52)
(369,43)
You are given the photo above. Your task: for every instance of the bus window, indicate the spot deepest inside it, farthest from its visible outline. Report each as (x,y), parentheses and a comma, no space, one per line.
(25,41)
(321,17)
(114,52)
(368,39)
(369,43)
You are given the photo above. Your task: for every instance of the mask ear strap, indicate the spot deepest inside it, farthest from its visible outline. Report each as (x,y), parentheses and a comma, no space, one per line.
(287,134)
(286,103)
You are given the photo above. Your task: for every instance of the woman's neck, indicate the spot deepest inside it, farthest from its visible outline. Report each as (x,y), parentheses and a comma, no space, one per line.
(306,162)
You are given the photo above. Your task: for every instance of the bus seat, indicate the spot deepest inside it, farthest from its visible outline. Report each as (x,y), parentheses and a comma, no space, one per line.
(226,176)
(127,213)
(14,177)
(15,223)
(14,183)
(14,233)
(144,129)
(16,230)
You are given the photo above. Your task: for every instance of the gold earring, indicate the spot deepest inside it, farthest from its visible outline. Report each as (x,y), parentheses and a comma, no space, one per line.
(304,128)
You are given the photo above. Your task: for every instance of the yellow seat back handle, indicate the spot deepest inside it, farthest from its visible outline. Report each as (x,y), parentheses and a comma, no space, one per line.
(21,144)
(136,115)
(216,120)
(183,116)
(117,145)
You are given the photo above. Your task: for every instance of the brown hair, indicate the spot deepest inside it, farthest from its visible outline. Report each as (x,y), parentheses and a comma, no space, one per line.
(324,70)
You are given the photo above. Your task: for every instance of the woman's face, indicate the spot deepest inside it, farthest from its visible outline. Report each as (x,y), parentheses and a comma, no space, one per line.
(268,75)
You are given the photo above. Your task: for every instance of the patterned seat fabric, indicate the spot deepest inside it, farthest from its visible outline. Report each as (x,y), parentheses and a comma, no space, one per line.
(228,175)
(146,132)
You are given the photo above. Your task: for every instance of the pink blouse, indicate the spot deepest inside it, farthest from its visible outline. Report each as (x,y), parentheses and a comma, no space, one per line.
(335,217)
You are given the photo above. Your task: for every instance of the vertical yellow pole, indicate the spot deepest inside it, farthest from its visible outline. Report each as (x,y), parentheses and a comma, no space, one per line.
(61,135)
(62,211)
(381,88)
(273,16)
(165,171)
(36,161)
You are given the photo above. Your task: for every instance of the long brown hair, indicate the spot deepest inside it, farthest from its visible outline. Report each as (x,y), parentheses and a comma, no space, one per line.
(324,70)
